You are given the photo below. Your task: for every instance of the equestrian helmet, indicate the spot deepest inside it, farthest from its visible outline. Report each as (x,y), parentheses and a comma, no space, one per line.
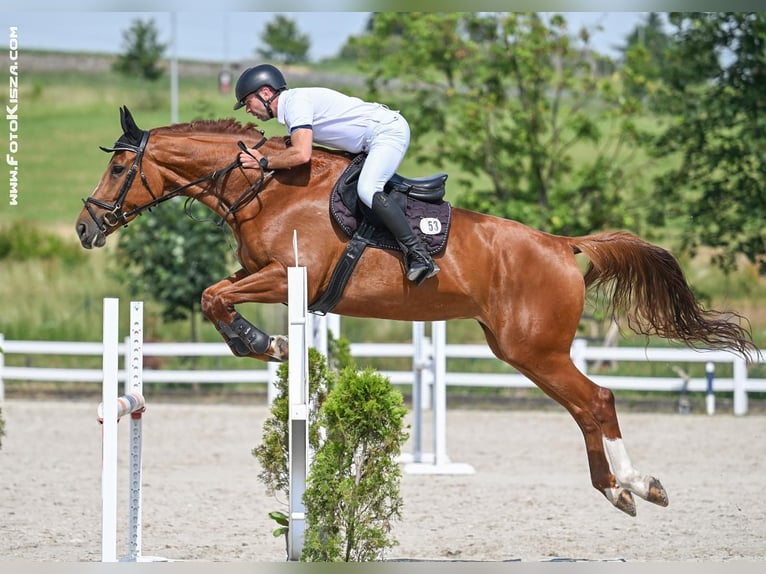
(253,79)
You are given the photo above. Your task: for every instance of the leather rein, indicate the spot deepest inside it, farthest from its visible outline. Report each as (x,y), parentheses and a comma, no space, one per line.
(115,216)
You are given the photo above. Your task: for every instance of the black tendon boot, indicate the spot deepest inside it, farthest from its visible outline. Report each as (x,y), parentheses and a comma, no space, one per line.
(418,263)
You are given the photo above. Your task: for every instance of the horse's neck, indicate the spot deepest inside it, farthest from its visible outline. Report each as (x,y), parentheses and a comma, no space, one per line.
(188,162)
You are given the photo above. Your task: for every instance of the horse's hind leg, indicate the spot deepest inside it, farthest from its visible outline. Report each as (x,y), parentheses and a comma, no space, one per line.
(592,408)
(244,338)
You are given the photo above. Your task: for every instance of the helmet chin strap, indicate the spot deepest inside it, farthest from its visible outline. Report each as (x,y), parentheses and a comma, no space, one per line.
(267,103)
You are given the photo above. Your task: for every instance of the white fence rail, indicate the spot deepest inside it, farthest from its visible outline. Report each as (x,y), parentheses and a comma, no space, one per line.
(740,384)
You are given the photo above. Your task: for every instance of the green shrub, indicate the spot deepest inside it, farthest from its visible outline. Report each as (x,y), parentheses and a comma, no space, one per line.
(355,433)
(352,494)
(24,241)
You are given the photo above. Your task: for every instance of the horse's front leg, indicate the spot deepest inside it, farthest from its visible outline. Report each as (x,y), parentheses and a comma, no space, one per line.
(268,285)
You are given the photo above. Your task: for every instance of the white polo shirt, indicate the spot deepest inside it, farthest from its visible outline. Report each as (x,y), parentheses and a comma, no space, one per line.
(337,120)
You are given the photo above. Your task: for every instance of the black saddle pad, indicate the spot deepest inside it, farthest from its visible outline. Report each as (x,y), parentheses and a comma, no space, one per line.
(431,221)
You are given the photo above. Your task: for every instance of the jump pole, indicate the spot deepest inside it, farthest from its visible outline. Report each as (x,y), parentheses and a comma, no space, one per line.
(298,405)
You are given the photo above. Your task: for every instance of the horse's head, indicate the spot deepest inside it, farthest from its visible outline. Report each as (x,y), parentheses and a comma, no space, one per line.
(120,195)
(131,185)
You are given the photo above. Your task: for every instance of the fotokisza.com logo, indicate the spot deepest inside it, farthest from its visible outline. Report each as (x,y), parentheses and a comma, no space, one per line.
(12,116)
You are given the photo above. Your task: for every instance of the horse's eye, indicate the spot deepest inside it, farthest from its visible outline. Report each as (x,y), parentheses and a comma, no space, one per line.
(117,169)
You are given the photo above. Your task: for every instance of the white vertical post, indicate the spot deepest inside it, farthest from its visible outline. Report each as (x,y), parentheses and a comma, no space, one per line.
(318,332)
(333,324)
(430,360)
(298,397)
(439,342)
(174,68)
(740,392)
(109,431)
(134,383)
(271,386)
(420,362)
(577,352)
(2,366)
(710,396)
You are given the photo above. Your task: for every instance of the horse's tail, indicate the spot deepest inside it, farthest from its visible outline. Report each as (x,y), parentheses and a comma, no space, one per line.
(646,283)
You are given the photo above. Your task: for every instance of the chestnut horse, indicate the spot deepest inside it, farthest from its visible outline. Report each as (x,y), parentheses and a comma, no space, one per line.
(523,286)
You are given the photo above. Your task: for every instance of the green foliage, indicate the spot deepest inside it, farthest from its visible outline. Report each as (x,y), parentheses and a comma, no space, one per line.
(352,495)
(644,56)
(282,520)
(171,258)
(284,42)
(508,98)
(2,425)
(714,85)
(25,241)
(142,51)
(352,492)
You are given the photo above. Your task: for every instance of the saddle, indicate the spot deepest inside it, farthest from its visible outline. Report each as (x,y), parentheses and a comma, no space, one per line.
(422,201)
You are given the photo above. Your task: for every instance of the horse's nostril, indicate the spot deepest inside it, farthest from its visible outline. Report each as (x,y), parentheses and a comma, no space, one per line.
(80,229)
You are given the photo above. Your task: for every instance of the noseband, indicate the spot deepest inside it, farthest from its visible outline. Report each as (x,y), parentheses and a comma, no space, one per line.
(115,215)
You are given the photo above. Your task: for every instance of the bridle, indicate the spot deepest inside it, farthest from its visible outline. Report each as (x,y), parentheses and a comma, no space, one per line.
(115,215)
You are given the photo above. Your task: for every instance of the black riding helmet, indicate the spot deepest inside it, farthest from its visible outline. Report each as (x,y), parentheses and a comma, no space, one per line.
(253,79)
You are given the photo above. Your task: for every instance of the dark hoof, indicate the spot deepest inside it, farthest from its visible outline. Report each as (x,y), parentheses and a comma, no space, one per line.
(626,503)
(657,493)
(278,349)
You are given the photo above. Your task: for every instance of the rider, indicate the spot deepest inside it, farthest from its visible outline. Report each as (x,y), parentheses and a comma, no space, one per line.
(334,119)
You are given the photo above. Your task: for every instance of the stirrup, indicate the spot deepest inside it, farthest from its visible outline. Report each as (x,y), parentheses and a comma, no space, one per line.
(418,276)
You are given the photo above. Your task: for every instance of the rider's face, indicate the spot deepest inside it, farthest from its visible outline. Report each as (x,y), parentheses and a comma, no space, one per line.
(256,107)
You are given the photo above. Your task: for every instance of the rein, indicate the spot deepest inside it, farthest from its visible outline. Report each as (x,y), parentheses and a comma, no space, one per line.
(115,216)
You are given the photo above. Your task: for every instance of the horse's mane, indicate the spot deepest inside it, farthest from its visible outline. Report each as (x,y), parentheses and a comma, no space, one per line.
(232,126)
(226,126)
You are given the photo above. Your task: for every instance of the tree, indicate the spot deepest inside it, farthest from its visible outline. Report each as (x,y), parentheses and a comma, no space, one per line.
(714,82)
(172,258)
(517,104)
(644,54)
(284,42)
(142,51)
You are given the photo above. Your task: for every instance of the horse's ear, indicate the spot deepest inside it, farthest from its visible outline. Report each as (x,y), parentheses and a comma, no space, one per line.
(123,109)
(129,127)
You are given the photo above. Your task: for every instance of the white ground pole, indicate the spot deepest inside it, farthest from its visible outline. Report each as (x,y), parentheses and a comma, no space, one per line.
(430,362)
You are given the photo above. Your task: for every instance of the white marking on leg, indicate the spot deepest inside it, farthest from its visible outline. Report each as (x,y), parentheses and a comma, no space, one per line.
(624,472)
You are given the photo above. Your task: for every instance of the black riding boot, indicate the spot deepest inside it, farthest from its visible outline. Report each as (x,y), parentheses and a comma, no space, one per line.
(418,263)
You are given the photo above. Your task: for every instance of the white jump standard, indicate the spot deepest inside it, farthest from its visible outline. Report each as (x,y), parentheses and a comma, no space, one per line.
(299,455)
(111,409)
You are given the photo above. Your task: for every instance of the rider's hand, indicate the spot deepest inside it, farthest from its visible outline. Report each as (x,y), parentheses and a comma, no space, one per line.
(250,160)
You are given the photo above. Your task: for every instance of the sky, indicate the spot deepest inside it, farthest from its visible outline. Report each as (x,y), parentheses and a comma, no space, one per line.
(222,36)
